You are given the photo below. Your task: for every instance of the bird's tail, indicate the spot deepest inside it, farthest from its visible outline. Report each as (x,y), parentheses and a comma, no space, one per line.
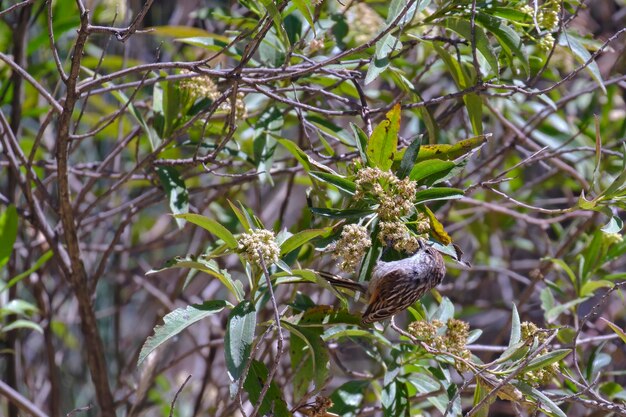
(337,281)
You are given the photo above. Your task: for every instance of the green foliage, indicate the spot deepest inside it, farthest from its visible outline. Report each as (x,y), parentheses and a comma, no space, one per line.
(246,146)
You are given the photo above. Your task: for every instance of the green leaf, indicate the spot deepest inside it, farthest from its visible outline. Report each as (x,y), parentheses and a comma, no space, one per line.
(558,309)
(340,213)
(377,66)
(211,226)
(616,186)
(588,289)
(437,193)
(344,184)
(153,138)
(456,71)
(436,228)
(21,324)
(448,152)
(185,32)
(273,11)
(615,225)
(395,400)
(239,337)
(431,167)
(516,327)
(464,28)
(242,216)
(474,106)
(8,233)
(307,163)
(361,142)
(407,164)
(618,331)
(177,321)
(18,307)
(38,264)
(544,360)
(348,397)
(297,240)
(309,358)
(480,392)
(569,39)
(383,143)
(546,403)
(208,266)
(444,311)
(173,104)
(509,39)
(273,403)
(304,6)
(565,267)
(176,191)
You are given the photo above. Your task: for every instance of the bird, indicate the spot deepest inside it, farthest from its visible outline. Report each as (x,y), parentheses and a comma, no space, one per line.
(395,285)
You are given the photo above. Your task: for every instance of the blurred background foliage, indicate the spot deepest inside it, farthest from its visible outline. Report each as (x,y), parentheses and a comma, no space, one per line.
(239,117)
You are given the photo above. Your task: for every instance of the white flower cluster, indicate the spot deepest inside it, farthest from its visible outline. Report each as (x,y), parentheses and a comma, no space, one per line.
(257,243)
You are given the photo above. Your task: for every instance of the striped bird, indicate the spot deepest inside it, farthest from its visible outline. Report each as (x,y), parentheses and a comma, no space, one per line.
(396,285)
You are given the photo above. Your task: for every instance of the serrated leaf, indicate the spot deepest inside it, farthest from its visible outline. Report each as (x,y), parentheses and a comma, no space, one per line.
(211,226)
(239,337)
(177,321)
(383,143)
(8,233)
(175,190)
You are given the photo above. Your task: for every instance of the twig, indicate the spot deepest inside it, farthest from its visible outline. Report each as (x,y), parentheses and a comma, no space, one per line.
(20,401)
(177,394)
(279,343)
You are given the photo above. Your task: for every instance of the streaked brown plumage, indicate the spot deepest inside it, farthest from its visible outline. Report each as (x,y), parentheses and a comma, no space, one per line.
(396,285)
